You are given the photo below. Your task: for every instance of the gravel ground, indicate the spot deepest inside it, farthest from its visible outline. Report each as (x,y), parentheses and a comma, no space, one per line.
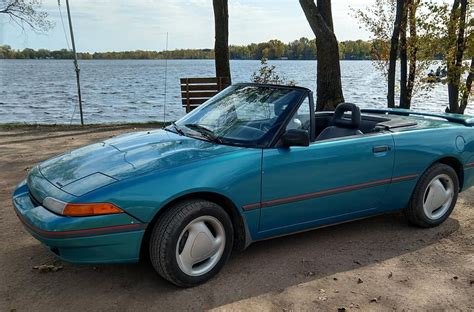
(380,263)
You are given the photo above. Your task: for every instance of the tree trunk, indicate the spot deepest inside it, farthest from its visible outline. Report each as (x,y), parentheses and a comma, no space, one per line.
(394,42)
(329,86)
(467,90)
(404,57)
(413,5)
(458,17)
(221,47)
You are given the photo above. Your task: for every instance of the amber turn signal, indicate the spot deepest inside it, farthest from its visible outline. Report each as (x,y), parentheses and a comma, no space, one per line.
(93,209)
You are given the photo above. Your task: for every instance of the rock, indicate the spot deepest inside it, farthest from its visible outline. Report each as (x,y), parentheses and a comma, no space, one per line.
(360,281)
(390,275)
(335,278)
(455,277)
(341,309)
(375,300)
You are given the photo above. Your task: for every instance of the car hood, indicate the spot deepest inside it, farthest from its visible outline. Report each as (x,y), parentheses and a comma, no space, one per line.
(93,166)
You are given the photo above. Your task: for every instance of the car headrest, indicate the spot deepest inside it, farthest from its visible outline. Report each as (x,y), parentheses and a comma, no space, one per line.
(338,119)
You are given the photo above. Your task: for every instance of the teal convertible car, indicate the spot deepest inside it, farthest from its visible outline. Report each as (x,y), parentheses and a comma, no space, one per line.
(254,162)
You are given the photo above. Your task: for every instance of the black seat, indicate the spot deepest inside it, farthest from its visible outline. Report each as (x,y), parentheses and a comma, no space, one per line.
(340,126)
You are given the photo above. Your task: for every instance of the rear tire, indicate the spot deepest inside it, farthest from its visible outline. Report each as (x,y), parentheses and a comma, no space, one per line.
(434,197)
(191,242)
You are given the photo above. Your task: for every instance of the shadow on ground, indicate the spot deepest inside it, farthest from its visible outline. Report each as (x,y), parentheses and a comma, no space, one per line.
(269,266)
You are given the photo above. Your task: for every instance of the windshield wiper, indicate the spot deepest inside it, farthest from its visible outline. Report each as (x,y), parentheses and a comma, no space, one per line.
(208,133)
(177,129)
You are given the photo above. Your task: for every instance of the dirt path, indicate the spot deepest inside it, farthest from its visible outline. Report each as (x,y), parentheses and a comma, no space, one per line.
(374,264)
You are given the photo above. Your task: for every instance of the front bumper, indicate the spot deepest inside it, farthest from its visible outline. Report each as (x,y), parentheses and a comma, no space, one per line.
(98,239)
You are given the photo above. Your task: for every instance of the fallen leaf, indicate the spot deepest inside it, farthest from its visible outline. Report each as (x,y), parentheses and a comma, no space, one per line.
(44,268)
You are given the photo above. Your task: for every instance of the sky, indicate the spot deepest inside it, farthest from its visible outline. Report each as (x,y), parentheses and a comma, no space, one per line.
(120,25)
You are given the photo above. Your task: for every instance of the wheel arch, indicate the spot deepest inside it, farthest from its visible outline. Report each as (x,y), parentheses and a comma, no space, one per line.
(242,236)
(454,163)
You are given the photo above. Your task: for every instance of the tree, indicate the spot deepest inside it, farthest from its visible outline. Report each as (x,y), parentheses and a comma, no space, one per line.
(453,28)
(378,20)
(394,46)
(221,47)
(268,74)
(416,55)
(457,40)
(413,45)
(468,87)
(26,13)
(329,86)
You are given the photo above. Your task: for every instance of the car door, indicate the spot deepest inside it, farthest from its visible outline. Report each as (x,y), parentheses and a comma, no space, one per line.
(326,182)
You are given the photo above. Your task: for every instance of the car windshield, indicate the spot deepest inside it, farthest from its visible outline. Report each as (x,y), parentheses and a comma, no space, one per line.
(246,115)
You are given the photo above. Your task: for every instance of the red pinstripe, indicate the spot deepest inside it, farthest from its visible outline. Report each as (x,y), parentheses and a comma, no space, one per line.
(328,192)
(83,232)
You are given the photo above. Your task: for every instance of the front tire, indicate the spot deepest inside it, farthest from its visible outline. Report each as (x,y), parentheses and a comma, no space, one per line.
(434,197)
(191,242)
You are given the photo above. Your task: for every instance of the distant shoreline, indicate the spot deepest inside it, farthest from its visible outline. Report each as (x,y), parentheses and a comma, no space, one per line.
(301,49)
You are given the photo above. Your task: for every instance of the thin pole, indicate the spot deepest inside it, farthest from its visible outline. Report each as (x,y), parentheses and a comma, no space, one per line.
(76,65)
(166,78)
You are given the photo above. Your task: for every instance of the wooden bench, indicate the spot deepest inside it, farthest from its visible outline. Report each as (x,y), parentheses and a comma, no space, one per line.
(195,91)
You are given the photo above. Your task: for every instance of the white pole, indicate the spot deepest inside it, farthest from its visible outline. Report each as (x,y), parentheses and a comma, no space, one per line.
(76,65)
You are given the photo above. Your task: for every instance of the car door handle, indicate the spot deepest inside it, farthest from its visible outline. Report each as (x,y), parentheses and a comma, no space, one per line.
(381,149)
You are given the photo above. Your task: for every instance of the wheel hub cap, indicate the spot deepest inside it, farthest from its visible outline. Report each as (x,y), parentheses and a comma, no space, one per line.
(438,197)
(200,245)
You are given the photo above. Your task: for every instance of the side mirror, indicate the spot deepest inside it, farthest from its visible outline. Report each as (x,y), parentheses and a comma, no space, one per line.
(295,137)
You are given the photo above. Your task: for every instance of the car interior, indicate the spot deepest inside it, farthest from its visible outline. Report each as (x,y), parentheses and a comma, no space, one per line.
(347,120)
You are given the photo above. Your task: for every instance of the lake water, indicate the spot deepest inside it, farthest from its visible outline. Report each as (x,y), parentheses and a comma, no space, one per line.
(44,91)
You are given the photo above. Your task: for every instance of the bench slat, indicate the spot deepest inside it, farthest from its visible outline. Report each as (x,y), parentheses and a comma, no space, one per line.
(199,80)
(195,91)
(203,87)
(199,94)
(194,101)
